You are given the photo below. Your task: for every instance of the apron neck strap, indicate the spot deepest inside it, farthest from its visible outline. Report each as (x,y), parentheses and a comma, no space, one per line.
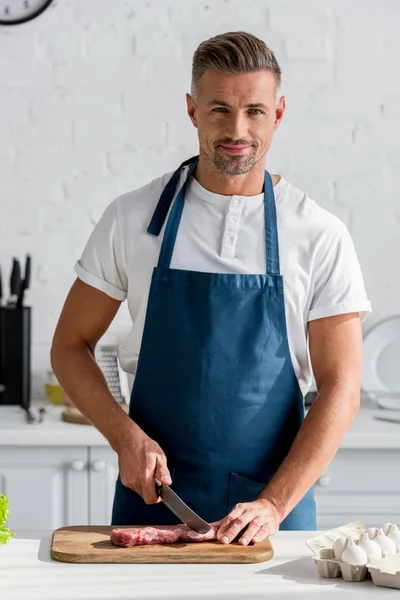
(271,227)
(171,229)
(160,214)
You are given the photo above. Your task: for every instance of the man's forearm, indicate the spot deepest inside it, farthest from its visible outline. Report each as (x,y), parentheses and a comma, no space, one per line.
(83,381)
(314,447)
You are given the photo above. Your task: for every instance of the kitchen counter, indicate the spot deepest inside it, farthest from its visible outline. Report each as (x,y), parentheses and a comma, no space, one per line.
(364,433)
(28,573)
(15,431)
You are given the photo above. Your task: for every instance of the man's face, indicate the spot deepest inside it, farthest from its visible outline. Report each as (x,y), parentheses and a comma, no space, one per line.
(236,115)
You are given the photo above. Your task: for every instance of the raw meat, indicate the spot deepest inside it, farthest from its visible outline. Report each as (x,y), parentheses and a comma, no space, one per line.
(140,536)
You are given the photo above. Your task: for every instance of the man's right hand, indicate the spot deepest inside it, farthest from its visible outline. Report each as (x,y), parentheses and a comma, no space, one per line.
(141,460)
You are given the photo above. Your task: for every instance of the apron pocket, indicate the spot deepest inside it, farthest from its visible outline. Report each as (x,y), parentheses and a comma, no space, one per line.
(242,489)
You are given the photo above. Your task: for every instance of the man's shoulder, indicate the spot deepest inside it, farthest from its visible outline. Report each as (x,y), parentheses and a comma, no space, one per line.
(299,210)
(144,199)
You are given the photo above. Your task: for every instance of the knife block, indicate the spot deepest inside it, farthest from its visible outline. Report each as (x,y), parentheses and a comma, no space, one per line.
(15,355)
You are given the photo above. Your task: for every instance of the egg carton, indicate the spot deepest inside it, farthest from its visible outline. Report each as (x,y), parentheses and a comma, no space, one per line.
(383,572)
(322,547)
(386,571)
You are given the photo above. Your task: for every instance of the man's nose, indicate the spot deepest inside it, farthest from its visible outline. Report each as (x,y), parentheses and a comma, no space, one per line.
(236,127)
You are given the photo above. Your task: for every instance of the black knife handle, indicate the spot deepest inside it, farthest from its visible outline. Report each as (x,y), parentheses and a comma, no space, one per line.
(25,282)
(158,487)
(15,279)
(27,274)
(20,299)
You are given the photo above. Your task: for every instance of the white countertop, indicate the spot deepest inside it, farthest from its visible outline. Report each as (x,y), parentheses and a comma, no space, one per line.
(365,431)
(28,573)
(15,431)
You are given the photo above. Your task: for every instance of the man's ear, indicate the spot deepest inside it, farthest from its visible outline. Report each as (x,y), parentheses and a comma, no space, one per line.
(191,109)
(280,110)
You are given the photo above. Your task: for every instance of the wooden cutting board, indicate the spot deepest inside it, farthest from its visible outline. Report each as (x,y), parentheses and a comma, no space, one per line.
(91,544)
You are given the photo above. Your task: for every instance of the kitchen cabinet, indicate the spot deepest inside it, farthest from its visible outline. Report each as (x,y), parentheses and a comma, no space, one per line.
(58,473)
(51,487)
(102,472)
(46,487)
(359,485)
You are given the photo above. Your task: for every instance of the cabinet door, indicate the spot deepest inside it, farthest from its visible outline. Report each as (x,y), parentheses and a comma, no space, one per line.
(103,472)
(359,485)
(47,487)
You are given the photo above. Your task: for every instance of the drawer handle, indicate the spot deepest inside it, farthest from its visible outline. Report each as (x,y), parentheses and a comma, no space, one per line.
(324,481)
(98,465)
(77,465)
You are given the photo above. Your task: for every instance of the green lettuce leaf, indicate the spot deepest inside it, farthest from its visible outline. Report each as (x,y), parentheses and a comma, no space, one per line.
(5,534)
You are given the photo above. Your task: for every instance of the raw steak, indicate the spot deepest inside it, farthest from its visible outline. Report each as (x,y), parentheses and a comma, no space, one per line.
(140,536)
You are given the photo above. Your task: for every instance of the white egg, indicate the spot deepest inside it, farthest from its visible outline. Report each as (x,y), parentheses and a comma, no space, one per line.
(372,549)
(385,527)
(338,546)
(371,531)
(354,555)
(394,534)
(386,543)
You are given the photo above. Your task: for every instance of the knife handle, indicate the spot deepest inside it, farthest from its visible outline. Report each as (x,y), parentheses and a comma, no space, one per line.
(15,279)
(20,299)
(27,274)
(158,486)
(25,282)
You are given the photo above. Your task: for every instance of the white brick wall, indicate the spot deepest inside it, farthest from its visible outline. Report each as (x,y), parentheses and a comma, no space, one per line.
(92,104)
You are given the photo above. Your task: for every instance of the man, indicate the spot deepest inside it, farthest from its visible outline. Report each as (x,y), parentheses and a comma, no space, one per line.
(228,272)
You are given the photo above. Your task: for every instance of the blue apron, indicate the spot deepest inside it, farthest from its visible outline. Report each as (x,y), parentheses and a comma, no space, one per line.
(215,385)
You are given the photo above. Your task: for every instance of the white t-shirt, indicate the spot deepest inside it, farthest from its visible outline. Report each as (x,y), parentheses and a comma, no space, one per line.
(226,234)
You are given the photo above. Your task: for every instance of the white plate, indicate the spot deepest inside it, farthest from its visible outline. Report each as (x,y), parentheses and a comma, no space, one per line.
(381,366)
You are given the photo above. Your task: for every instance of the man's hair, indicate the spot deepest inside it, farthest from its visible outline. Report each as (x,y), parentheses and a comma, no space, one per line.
(233,52)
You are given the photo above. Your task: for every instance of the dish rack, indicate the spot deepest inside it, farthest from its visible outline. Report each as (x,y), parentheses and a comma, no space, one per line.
(389,400)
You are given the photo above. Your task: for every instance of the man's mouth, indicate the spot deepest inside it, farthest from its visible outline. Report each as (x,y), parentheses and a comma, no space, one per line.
(235,149)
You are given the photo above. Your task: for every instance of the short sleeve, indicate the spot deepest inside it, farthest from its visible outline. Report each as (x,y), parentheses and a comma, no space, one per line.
(103,264)
(339,286)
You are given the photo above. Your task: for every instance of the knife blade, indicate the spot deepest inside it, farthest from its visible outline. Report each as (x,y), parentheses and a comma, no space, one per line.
(180,509)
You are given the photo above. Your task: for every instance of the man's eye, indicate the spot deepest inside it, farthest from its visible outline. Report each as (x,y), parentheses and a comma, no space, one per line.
(252,110)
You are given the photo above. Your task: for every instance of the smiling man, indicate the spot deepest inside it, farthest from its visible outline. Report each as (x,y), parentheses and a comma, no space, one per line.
(231,274)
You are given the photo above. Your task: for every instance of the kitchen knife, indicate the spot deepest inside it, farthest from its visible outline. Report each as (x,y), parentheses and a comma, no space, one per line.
(25,282)
(15,282)
(180,509)
(27,274)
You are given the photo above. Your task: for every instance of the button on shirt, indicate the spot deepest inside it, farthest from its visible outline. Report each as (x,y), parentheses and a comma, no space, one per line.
(226,234)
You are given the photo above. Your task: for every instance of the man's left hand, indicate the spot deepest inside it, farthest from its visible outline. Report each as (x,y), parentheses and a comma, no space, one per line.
(256,520)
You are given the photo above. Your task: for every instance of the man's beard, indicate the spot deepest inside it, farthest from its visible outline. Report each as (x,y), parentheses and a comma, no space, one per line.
(234,165)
